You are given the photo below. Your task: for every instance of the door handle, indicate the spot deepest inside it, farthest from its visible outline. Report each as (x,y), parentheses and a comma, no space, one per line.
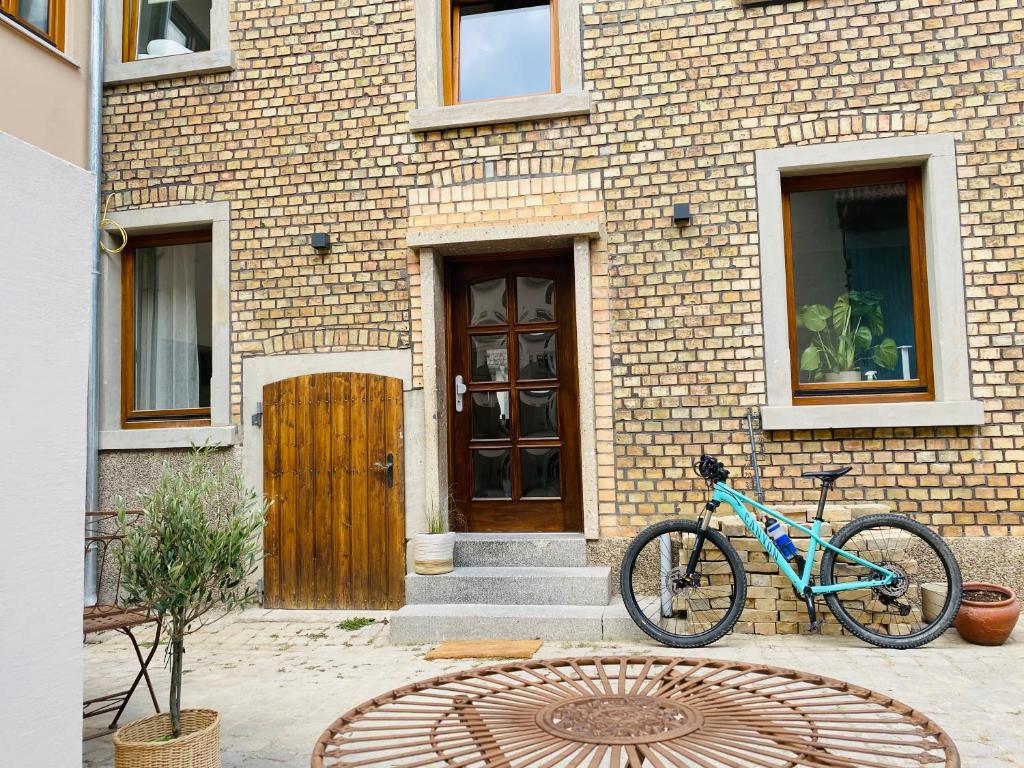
(460,390)
(388,468)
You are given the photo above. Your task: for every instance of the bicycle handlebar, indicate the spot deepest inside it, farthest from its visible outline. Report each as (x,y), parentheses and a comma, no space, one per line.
(711,469)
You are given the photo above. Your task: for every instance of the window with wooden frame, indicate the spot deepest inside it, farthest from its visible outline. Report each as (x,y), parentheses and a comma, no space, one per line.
(153,28)
(495,49)
(166,330)
(857,287)
(44,18)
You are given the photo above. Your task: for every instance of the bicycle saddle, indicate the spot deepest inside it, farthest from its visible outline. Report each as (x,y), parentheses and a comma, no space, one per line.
(827,475)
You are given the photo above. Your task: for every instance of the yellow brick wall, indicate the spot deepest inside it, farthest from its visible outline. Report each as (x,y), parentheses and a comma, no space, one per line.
(309,134)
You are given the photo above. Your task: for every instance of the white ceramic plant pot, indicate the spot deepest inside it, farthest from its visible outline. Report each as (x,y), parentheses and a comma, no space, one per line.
(433,553)
(842,376)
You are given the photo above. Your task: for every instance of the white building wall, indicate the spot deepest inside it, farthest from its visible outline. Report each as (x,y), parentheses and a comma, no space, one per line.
(45,228)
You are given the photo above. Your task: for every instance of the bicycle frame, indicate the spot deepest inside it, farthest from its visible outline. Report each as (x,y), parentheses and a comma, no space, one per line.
(801,582)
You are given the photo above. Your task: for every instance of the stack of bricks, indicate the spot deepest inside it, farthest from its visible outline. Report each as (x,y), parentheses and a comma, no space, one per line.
(773,607)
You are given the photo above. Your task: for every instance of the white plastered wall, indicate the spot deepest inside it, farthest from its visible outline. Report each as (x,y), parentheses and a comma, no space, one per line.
(46,209)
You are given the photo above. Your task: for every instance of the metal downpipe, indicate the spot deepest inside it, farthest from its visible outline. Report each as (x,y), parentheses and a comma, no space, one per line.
(96,41)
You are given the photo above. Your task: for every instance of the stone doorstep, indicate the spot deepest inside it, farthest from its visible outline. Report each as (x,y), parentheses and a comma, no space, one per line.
(512,586)
(520,550)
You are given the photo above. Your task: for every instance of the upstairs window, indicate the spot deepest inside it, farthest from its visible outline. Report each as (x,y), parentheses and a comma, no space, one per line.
(154,28)
(498,49)
(166,330)
(44,18)
(859,329)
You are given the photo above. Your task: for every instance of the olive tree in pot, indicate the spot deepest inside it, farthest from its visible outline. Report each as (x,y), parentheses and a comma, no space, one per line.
(844,334)
(189,556)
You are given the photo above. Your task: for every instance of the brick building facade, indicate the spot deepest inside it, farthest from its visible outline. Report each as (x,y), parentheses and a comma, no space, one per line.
(327,121)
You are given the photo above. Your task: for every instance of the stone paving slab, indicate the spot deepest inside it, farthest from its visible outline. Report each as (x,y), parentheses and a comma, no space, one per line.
(279,678)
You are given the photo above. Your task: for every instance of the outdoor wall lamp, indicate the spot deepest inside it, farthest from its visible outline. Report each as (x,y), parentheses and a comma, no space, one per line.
(320,241)
(681,214)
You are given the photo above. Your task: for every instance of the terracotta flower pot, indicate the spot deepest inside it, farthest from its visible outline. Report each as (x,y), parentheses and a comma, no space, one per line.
(147,743)
(987,623)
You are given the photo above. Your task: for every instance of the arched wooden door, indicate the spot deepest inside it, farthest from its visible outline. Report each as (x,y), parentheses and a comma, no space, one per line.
(333,470)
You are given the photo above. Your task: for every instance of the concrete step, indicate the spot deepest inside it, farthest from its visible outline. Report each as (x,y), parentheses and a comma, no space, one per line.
(431,623)
(512,586)
(513,550)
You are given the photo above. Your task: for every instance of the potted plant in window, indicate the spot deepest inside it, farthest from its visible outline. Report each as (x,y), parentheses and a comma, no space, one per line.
(844,334)
(434,551)
(189,556)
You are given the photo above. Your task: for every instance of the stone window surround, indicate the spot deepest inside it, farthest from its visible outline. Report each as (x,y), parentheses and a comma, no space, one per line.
(172,218)
(433,114)
(220,57)
(432,247)
(936,154)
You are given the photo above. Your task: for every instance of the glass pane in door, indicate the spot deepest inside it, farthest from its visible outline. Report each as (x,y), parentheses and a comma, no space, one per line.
(492,474)
(538,353)
(535,300)
(540,472)
(487,303)
(538,413)
(490,357)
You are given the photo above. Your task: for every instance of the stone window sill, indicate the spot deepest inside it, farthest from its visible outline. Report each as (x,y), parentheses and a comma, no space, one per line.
(167,67)
(177,437)
(961,413)
(515,110)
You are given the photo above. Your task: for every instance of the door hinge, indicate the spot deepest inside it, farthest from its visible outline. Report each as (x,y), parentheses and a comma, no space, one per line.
(257,418)
(259,589)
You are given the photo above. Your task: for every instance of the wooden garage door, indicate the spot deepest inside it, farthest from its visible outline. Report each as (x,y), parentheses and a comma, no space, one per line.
(332,470)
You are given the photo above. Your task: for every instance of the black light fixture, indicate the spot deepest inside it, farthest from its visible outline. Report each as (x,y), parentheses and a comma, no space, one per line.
(320,241)
(681,214)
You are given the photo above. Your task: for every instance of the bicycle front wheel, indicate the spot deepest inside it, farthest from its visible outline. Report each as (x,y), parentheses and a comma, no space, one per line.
(911,611)
(676,610)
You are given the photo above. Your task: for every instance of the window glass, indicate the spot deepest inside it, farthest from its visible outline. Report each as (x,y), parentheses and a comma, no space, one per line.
(35,12)
(173,327)
(170,27)
(853,285)
(504,49)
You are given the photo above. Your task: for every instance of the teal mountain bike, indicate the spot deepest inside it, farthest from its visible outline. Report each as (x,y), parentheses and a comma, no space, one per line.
(888,579)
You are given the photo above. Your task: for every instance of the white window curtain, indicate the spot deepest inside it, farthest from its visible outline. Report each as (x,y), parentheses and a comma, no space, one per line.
(166,345)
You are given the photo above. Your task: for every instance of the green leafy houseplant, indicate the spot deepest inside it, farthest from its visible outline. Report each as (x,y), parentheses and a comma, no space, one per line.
(844,334)
(190,554)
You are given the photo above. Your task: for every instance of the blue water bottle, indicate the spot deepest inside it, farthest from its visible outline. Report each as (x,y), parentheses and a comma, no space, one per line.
(781,538)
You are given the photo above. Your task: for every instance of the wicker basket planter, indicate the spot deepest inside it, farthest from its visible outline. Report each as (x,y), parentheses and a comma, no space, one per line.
(141,744)
(433,553)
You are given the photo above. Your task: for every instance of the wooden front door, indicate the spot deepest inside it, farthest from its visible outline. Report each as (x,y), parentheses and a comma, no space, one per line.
(514,454)
(332,471)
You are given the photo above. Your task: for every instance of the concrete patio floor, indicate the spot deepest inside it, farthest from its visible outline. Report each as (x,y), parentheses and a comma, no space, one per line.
(279,678)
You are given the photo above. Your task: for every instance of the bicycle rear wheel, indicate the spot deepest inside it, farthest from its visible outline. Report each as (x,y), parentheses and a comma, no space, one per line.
(901,614)
(675,611)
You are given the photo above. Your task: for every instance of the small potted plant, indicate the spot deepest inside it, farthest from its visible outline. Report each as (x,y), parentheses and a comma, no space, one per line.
(988,613)
(844,334)
(434,551)
(189,556)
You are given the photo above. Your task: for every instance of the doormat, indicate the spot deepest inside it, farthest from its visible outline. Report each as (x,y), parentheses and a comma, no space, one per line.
(485,649)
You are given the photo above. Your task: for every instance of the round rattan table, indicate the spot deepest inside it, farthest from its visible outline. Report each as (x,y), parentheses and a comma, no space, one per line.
(635,711)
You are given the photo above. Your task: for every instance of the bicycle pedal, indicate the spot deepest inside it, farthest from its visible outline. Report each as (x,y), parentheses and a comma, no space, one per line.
(814,628)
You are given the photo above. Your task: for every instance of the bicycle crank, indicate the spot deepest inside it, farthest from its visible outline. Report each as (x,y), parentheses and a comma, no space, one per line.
(812,614)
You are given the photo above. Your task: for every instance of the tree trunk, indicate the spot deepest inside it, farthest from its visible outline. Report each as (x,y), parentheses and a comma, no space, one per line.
(177,652)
